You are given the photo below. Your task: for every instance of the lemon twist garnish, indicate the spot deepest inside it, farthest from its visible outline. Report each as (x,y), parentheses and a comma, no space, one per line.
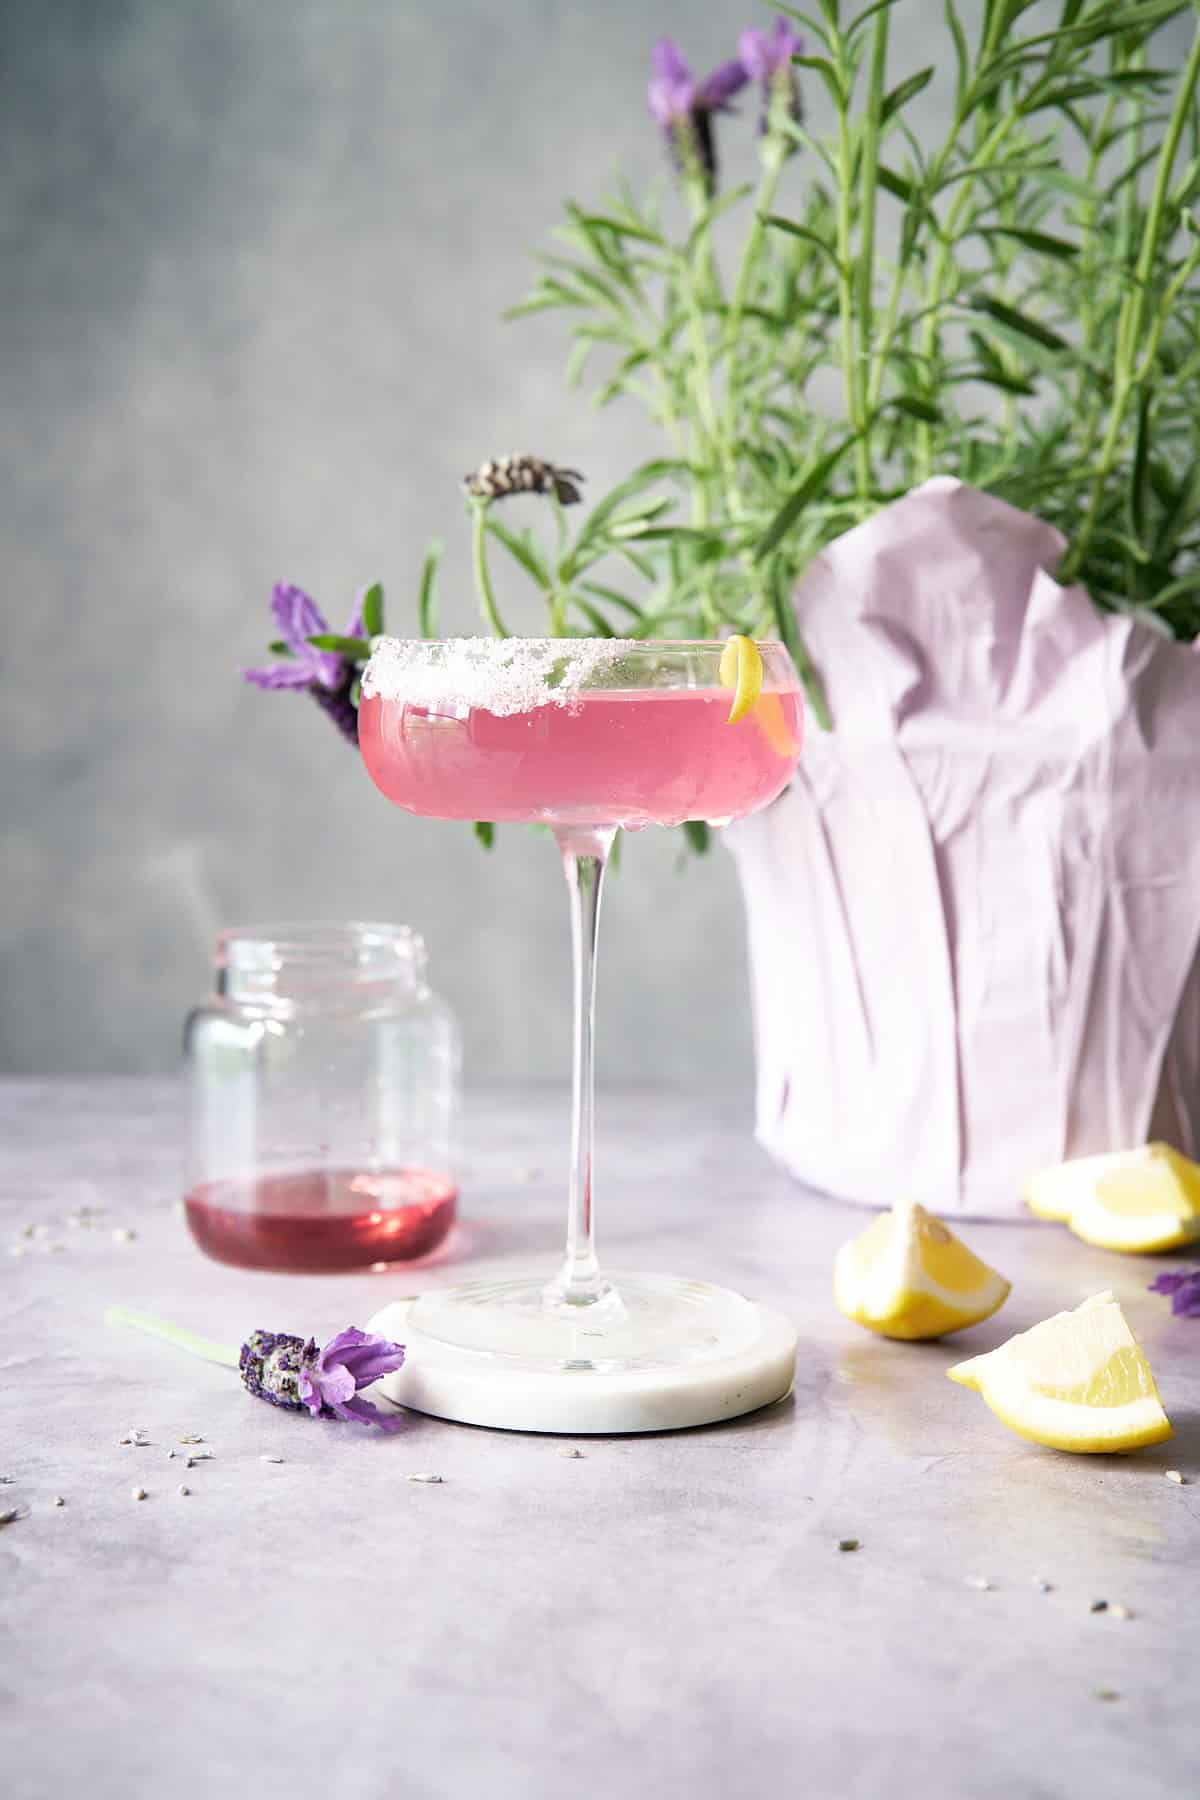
(742,670)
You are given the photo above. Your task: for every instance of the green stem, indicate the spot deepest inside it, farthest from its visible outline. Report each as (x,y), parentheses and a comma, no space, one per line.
(557,599)
(1129,325)
(172,1334)
(708,420)
(483,580)
(985,148)
(774,156)
(702,378)
(667,414)
(845,278)
(1088,218)
(720,433)
(1171,294)
(1088,395)
(886,338)
(869,164)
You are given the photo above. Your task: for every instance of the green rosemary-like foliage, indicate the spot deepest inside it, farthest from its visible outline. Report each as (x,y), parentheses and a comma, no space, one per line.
(988,313)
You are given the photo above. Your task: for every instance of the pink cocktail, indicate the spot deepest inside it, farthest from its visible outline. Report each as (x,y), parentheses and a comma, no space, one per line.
(587,736)
(594,756)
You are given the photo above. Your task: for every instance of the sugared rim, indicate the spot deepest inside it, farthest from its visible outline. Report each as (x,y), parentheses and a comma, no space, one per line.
(716,645)
(511,675)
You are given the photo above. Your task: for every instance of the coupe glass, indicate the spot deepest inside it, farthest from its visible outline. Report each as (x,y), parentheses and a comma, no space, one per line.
(585,735)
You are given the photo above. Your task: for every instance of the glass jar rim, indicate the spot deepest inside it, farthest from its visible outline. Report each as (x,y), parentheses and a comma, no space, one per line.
(262,956)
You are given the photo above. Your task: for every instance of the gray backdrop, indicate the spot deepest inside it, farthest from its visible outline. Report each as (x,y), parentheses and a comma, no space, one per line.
(255,253)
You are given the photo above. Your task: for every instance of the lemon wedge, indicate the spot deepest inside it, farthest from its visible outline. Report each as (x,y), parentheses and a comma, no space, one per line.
(908,1276)
(1077,1381)
(1146,1199)
(741,669)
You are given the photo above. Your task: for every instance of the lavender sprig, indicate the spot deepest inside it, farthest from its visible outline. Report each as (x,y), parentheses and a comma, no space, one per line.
(293,1372)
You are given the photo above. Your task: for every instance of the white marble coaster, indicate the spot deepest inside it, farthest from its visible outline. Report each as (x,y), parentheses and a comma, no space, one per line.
(515,1392)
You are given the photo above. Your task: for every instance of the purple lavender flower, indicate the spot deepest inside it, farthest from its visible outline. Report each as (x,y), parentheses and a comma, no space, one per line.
(288,1371)
(326,674)
(684,106)
(767,59)
(1184,1289)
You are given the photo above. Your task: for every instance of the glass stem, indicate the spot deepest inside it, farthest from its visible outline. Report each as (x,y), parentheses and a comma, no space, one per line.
(584,853)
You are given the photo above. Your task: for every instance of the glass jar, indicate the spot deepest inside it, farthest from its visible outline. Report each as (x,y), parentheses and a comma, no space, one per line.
(323,1080)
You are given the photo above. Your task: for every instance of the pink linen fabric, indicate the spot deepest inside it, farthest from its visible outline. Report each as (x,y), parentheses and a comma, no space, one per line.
(974,919)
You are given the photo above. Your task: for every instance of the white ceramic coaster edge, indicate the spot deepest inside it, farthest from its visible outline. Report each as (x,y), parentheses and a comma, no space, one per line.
(451,1384)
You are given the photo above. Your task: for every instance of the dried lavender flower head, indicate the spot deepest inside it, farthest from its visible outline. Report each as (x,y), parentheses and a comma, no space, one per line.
(506,475)
(292,1372)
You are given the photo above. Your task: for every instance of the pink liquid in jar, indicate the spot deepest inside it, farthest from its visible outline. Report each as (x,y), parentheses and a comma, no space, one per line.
(319,1220)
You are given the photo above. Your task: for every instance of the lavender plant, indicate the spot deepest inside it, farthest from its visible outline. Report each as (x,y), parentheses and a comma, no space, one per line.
(1033,331)
(987,313)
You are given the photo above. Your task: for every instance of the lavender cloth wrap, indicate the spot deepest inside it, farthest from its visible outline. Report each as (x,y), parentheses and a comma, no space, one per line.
(974,917)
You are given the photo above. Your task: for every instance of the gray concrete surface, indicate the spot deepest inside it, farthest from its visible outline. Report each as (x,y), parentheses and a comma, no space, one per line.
(664,1617)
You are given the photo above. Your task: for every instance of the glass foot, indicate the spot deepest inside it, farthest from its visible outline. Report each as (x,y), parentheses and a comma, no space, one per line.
(656,1354)
(643,1322)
